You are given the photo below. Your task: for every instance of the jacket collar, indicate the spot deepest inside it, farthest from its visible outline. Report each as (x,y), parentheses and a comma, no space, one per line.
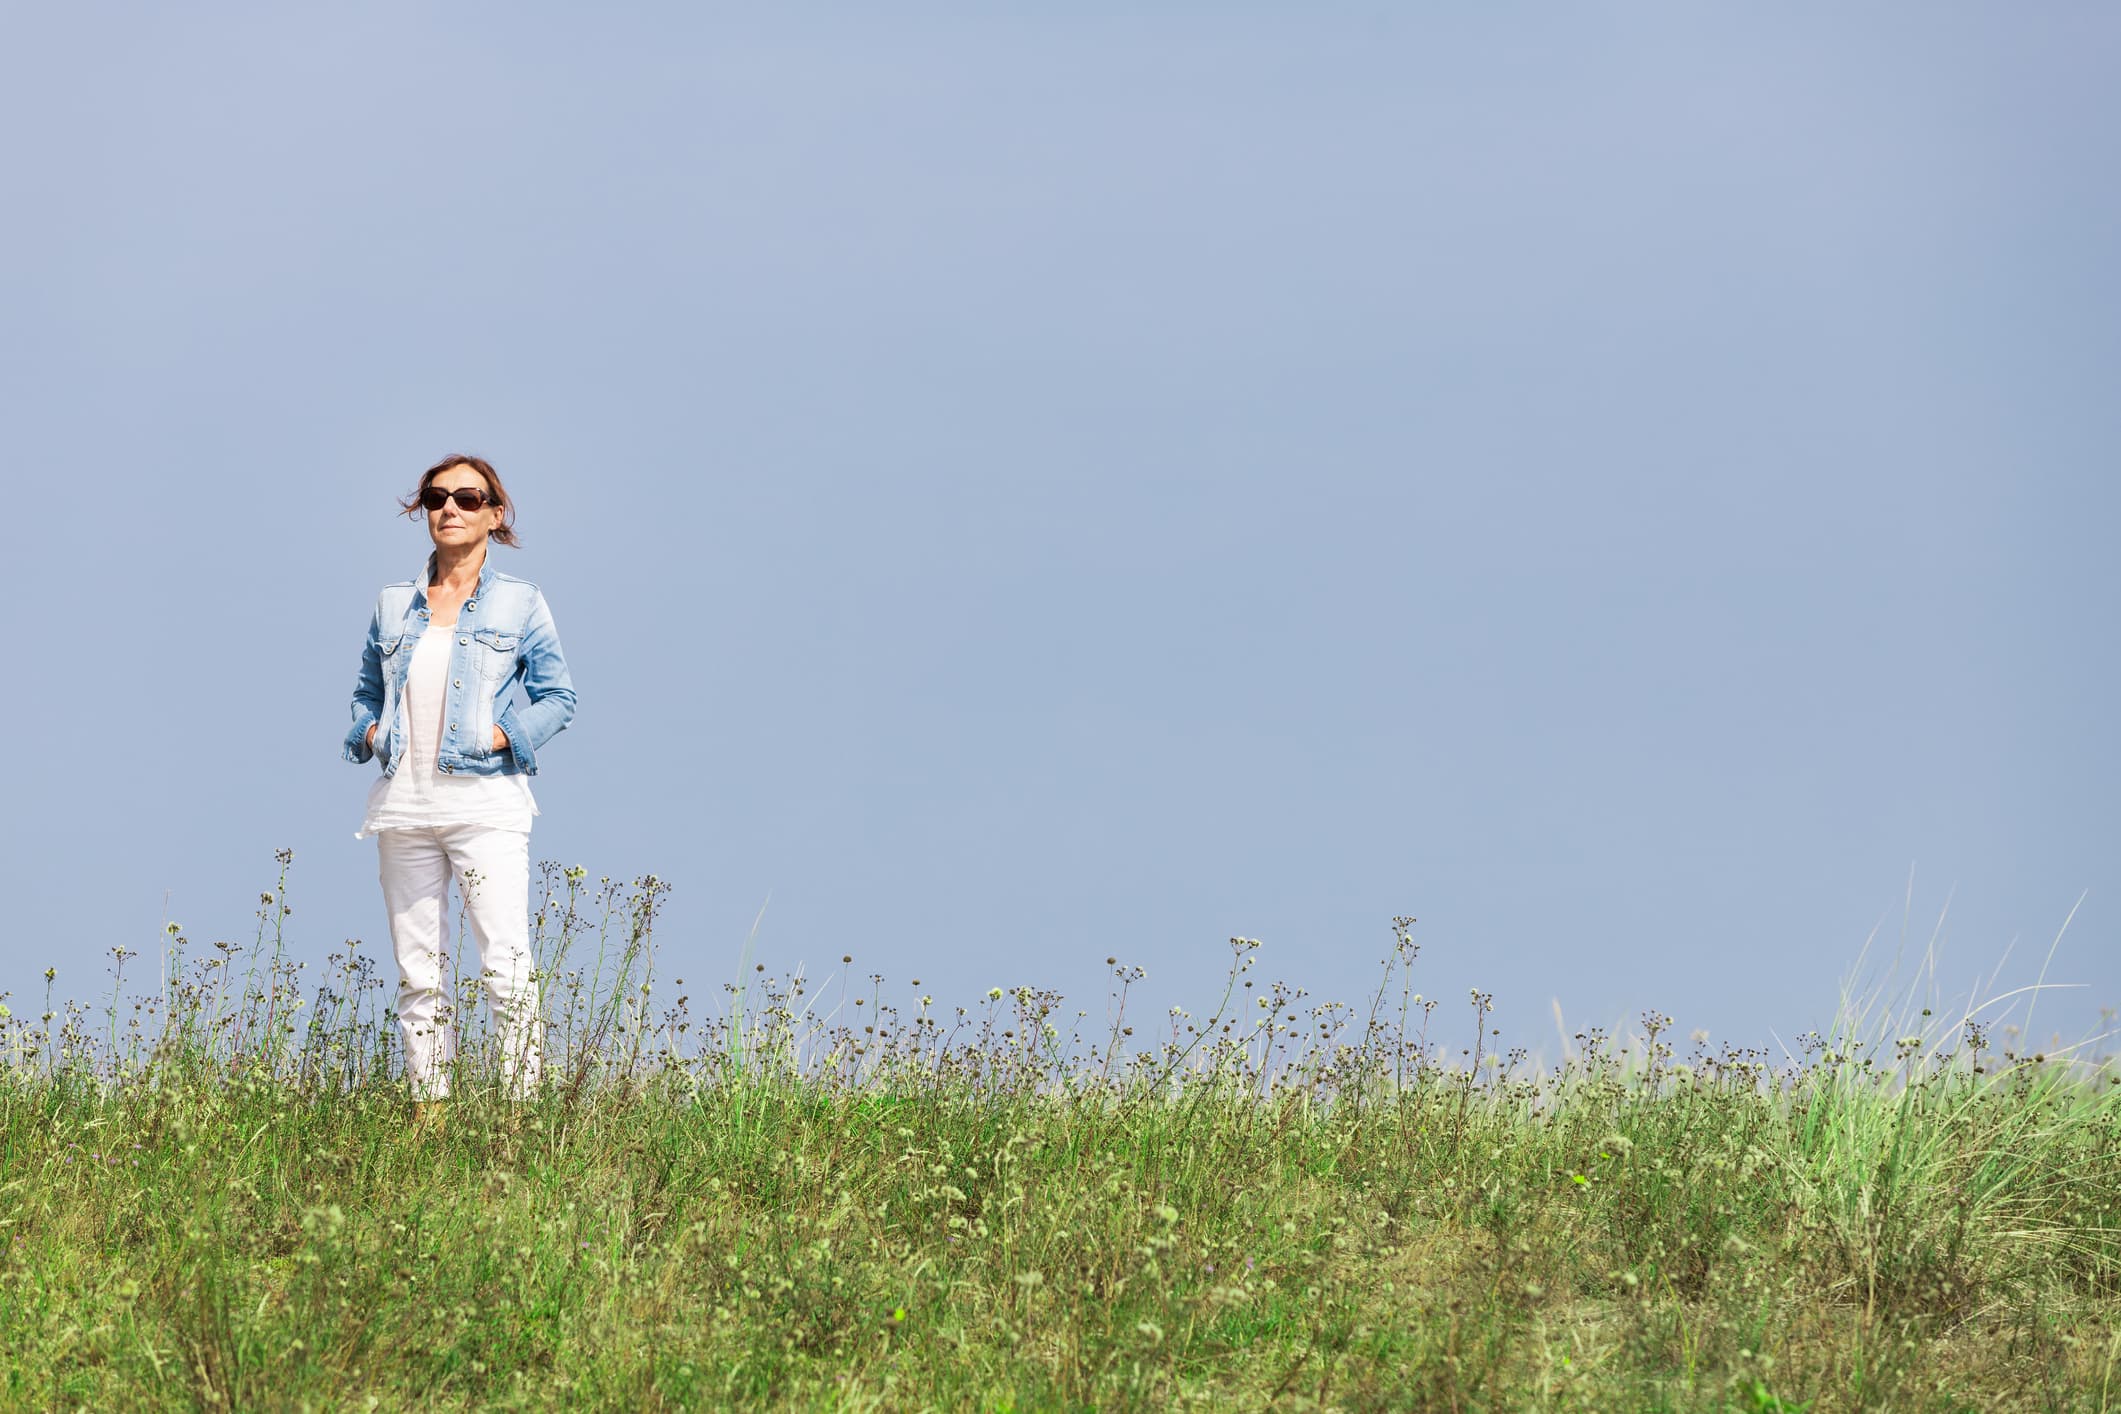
(425,577)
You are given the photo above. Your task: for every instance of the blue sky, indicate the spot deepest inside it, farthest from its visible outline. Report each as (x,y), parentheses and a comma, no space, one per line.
(1029,484)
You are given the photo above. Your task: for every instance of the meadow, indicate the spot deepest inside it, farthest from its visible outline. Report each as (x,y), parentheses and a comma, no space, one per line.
(858,1195)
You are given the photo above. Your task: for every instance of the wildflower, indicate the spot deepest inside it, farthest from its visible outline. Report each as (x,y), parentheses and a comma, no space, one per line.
(994,994)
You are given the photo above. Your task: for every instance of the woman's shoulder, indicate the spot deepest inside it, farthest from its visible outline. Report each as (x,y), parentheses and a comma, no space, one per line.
(511,599)
(398,591)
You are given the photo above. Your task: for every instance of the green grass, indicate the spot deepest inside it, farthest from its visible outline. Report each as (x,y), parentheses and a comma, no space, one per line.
(210,1197)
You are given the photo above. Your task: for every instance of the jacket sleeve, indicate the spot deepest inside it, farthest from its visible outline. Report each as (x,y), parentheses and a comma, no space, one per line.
(546,683)
(367,694)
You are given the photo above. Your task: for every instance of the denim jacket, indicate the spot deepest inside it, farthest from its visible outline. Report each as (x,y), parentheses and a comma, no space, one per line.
(503,633)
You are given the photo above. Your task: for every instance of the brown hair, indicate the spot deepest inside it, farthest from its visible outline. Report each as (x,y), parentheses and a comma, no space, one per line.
(505,532)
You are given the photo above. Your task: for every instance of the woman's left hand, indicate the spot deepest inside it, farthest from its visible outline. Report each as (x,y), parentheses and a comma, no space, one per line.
(500,741)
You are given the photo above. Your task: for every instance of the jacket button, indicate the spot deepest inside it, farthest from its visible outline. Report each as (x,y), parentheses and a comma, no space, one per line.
(456,682)
(463,640)
(452,726)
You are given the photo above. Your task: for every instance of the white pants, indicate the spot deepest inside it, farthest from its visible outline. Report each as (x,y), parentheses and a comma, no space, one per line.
(493,875)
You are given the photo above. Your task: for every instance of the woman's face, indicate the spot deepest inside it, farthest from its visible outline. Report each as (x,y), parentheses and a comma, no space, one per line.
(452,526)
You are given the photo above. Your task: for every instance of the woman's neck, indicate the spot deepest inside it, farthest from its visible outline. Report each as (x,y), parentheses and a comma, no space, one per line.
(457,571)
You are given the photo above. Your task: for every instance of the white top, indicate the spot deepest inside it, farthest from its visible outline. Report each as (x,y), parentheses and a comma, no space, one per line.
(417,795)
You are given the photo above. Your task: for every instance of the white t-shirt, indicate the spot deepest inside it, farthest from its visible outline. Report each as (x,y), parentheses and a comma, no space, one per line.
(417,794)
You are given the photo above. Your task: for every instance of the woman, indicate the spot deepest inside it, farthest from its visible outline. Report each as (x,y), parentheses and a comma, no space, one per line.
(432,705)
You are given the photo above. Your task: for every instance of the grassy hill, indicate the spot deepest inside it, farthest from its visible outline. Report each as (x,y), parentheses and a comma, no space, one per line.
(211,1197)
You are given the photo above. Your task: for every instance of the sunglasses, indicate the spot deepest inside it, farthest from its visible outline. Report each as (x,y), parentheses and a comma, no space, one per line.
(467,499)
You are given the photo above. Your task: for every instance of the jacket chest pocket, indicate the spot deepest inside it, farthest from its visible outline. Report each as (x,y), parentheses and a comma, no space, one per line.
(493,654)
(392,660)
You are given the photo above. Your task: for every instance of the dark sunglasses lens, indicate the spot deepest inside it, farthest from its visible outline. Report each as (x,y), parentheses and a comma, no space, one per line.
(433,499)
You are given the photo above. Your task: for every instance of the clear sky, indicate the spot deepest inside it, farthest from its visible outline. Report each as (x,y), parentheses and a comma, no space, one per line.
(1020,484)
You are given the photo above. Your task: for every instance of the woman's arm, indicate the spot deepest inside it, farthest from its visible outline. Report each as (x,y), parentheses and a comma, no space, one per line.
(546,683)
(367,704)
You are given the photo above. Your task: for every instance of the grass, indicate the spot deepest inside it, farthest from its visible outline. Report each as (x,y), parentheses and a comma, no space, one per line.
(210,1197)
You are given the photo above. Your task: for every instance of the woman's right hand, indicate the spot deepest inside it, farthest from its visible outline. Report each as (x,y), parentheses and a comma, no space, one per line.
(372,734)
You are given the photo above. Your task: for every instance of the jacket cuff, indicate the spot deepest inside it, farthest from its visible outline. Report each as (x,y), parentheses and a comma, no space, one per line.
(518,745)
(357,749)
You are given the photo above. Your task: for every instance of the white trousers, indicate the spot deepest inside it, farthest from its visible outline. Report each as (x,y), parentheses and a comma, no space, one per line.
(492,868)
